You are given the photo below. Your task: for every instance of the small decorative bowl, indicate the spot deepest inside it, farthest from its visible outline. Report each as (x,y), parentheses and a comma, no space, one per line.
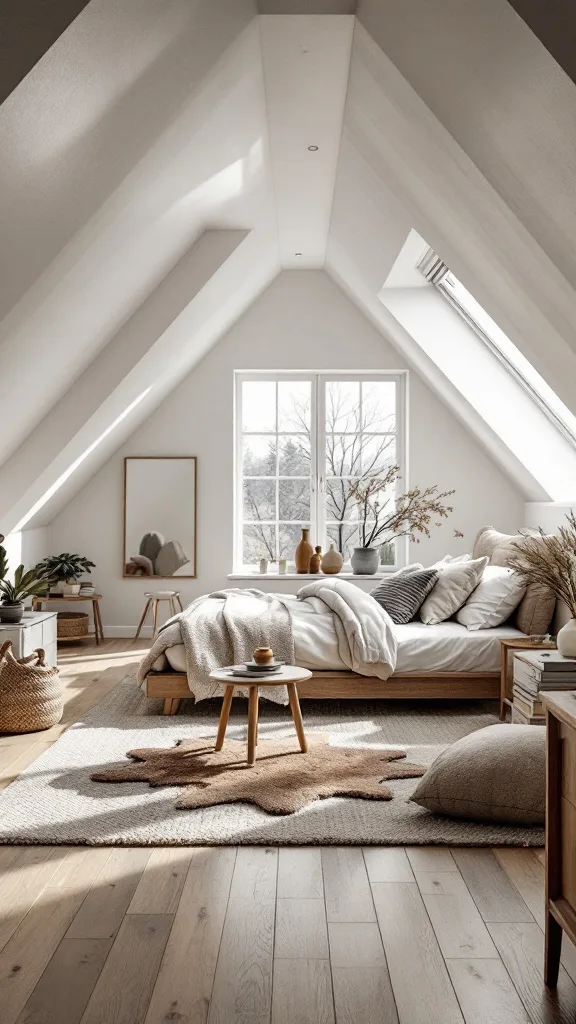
(263,655)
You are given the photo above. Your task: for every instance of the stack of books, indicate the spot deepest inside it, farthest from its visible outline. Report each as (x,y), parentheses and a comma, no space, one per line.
(535,671)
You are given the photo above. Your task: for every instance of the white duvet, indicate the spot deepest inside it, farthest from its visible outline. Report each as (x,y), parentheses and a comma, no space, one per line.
(334,617)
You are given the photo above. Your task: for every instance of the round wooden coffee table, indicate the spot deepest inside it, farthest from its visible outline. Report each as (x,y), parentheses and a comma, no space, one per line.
(288,676)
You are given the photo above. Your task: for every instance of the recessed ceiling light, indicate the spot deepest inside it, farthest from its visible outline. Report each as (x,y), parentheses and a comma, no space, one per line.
(312,148)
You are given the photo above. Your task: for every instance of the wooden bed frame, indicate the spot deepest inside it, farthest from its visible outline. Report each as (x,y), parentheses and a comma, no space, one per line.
(172,687)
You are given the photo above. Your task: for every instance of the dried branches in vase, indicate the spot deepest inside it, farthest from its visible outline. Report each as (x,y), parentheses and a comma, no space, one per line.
(385,517)
(549,561)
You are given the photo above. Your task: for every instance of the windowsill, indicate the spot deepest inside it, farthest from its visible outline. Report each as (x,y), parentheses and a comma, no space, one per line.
(306,575)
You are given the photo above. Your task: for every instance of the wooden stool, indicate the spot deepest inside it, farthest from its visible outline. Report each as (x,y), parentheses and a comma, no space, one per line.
(154,599)
(288,676)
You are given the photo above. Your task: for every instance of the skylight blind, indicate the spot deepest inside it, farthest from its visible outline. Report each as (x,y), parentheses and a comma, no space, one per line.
(433,268)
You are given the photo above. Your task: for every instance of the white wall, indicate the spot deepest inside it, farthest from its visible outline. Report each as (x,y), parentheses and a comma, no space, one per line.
(302,321)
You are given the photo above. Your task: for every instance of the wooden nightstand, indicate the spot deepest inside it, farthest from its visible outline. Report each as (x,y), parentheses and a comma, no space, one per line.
(507,648)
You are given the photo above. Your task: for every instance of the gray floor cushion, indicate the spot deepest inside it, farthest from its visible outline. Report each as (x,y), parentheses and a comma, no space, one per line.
(494,774)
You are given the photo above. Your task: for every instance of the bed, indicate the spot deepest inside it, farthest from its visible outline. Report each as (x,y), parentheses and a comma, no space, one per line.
(442,661)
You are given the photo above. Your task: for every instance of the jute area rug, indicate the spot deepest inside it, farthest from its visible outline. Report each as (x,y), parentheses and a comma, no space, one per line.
(55,801)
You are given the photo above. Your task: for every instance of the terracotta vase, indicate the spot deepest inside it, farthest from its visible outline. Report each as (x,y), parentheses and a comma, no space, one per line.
(263,655)
(303,552)
(316,560)
(332,561)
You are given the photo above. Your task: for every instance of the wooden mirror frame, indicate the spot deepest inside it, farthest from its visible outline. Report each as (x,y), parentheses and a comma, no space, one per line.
(134,458)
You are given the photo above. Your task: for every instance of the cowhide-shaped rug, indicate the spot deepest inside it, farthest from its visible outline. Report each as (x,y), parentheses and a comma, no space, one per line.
(282,780)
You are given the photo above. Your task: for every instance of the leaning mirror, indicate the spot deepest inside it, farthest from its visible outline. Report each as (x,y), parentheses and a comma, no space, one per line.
(160,516)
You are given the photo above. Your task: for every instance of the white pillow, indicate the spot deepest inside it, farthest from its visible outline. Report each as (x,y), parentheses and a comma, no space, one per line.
(455,583)
(450,560)
(497,595)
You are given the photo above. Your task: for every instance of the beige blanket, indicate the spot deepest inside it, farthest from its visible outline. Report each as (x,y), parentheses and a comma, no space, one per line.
(224,628)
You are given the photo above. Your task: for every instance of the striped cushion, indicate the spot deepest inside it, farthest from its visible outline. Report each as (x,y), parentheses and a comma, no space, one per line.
(402,594)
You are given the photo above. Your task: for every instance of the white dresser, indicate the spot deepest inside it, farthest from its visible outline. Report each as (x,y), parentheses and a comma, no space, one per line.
(37,629)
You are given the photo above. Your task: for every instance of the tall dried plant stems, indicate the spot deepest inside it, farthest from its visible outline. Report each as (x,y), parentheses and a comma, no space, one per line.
(550,562)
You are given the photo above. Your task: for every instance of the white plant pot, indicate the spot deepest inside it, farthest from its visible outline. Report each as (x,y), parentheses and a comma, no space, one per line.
(70,589)
(566,639)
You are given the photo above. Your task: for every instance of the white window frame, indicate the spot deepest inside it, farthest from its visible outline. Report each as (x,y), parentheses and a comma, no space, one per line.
(318,379)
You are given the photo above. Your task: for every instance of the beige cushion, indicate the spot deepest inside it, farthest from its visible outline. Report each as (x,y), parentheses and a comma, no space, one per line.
(456,581)
(495,774)
(536,609)
(497,595)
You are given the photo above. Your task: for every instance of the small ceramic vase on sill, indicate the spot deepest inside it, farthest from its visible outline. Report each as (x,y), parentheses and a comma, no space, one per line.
(332,561)
(566,639)
(365,561)
(303,552)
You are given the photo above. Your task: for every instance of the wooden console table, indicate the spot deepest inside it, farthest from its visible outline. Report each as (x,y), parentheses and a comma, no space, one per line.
(560,826)
(95,599)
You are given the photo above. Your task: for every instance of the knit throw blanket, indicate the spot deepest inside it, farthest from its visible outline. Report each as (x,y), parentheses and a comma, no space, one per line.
(224,628)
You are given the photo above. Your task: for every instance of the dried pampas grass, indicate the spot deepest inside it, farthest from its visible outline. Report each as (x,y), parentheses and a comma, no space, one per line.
(550,561)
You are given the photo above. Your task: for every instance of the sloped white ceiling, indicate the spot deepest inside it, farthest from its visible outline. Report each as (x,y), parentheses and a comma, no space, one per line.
(140,135)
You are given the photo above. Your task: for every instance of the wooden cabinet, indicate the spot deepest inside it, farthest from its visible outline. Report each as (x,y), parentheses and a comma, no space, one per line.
(507,647)
(560,826)
(37,629)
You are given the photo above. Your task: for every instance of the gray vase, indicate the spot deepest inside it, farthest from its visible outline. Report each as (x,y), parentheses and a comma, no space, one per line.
(11,613)
(365,561)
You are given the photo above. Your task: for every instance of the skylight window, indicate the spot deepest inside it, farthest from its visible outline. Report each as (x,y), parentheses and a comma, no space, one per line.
(499,343)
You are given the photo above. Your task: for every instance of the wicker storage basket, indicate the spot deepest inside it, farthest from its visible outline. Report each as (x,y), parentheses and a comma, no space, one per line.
(30,692)
(72,624)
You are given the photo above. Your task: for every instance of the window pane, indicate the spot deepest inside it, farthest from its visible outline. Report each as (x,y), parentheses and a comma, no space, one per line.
(343,454)
(258,542)
(378,454)
(290,536)
(259,455)
(342,406)
(344,537)
(258,405)
(340,502)
(294,499)
(294,455)
(294,404)
(378,406)
(260,499)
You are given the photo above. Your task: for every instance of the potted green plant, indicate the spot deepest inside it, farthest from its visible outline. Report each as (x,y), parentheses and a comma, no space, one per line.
(64,572)
(12,595)
(383,517)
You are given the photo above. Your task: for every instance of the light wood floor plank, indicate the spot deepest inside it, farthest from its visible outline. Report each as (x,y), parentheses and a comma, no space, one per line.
(455,918)
(420,981)
(493,893)
(210,871)
(387,864)
(302,993)
(430,858)
(301,932)
(346,886)
(363,994)
(184,985)
(486,993)
(159,889)
(102,912)
(356,945)
(25,957)
(300,873)
(255,873)
(124,988)
(243,982)
(63,991)
(22,882)
(521,948)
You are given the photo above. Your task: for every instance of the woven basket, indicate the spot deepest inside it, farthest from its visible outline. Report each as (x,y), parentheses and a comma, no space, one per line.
(30,692)
(72,624)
